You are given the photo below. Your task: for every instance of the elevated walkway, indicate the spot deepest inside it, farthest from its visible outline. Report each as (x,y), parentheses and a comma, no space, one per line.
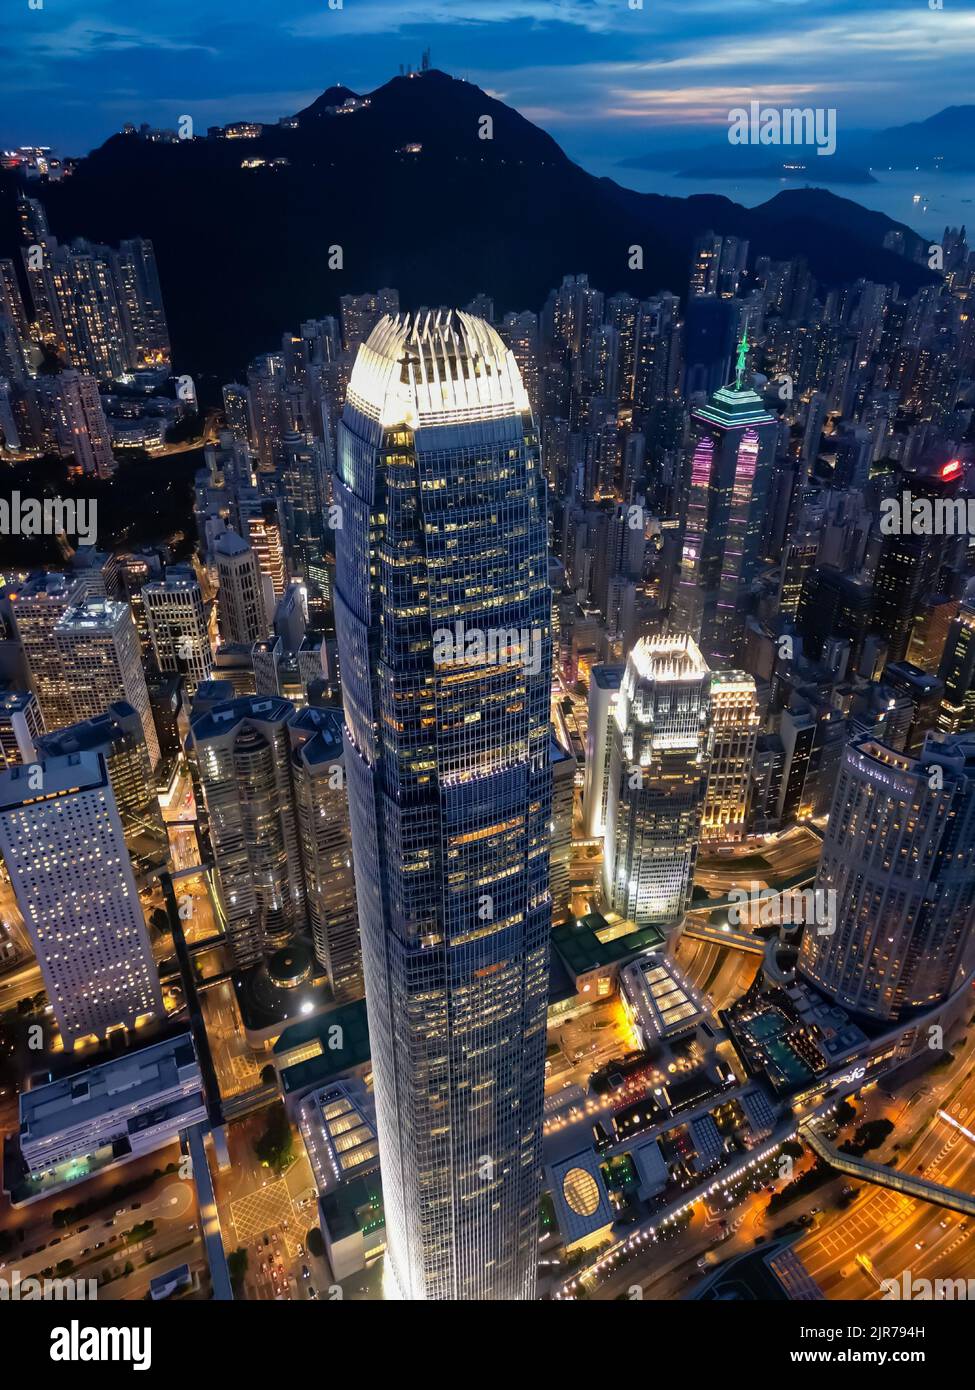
(867,1170)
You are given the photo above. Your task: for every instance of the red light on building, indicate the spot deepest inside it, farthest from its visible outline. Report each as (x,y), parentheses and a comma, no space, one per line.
(950,470)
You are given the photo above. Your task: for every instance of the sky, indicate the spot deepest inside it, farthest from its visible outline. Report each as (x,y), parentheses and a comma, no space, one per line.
(604,77)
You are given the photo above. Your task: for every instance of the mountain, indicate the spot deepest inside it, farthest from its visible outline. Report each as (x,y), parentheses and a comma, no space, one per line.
(415,199)
(945,141)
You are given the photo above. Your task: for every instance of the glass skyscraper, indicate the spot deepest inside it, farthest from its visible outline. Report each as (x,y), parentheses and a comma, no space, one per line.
(443,613)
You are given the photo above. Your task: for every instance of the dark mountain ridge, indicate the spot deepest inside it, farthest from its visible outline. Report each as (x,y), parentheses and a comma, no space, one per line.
(244,252)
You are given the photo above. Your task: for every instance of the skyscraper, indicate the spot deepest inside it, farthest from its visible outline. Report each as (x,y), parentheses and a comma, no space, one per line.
(64,847)
(732,445)
(318,766)
(240,602)
(177,622)
(735,723)
(37,606)
(443,613)
(958,673)
(243,752)
(899,852)
(657,777)
(100,660)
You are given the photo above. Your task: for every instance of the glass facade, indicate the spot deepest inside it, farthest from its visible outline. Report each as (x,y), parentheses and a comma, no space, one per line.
(443,613)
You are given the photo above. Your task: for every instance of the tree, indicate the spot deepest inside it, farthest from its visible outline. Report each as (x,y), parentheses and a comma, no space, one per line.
(275,1146)
(237,1266)
(314,1243)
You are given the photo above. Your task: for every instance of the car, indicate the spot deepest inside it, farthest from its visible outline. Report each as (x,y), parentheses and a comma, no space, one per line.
(56,1240)
(311,1292)
(82,1228)
(944,1224)
(136,1206)
(120,1212)
(267,1240)
(919,1245)
(99,1244)
(110,1222)
(305,1272)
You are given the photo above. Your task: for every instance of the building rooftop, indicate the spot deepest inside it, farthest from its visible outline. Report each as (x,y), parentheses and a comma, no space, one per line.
(83,1096)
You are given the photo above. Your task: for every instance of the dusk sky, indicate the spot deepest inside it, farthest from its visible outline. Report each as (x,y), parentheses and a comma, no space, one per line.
(599,75)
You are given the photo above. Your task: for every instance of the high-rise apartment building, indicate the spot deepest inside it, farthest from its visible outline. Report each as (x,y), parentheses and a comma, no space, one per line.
(657,778)
(443,613)
(80,425)
(100,662)
(735,722)
(64,847)
(899,853)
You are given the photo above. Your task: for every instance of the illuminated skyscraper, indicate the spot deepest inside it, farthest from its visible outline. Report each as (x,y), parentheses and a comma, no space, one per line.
(657,777)
(64,847)
(38,605)
(243,751)
(177,621)
(240,602)
(958,673)
(732,446)
(735,723)
(443,613)
(899,852)
(101,662)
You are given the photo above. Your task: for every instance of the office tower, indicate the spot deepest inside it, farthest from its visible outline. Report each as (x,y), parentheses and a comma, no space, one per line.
(240,601)
(37,607)
(931,632)
(141,303)
(80,425)
(520,333)
(177,621)
(318,766)
(735,723)
(560,850)
(361,312)
(604,685)
(732,446)
(957,671)
(264,538)
(118,736)
(64,848)
(243,753)
(899,853)
(657,778)
(443,613)
(909,564)
(21,725)
(100,659)
(925,694)
(303,494)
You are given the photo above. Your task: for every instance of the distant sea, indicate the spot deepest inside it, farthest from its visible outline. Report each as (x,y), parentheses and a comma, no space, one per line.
(946,200)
